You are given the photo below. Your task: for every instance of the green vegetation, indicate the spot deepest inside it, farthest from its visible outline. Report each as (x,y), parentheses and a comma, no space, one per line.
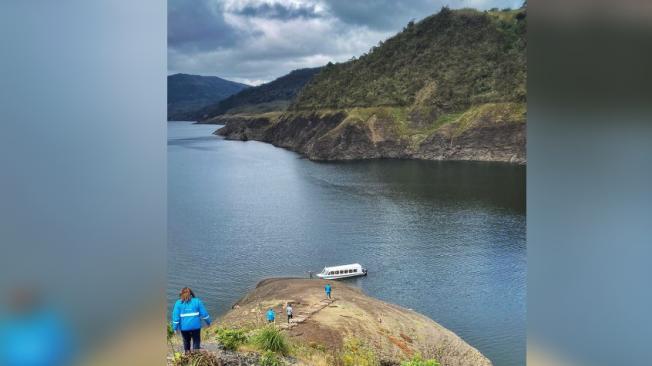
(197,359)
(496,112)
(231,339)
(271,339)
(449,62)
(270,358)
(419,361)
(273,96)
(357,354)
(170,333)
(188,94)
(273,345)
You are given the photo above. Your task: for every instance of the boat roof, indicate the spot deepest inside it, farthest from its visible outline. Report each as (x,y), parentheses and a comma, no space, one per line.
(346,266)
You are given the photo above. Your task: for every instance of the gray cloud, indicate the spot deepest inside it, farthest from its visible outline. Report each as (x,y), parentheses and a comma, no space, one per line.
(381,14)
(393,14)
(199,25)
(255,41)
(280,11)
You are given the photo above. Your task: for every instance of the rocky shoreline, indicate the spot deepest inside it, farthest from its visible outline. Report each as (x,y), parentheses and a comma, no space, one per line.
(334,136)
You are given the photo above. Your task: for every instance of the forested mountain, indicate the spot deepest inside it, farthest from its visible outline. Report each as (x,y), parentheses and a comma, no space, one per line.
(449,87)
(448,61)
(187,94)
(273,96)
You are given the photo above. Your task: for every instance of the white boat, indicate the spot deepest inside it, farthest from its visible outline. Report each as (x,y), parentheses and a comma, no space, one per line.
(345,271)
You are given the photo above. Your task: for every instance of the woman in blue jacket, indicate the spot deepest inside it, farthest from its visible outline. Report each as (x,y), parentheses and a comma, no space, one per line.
(187,316)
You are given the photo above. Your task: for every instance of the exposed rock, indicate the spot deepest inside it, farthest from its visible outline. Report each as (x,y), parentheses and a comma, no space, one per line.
(394,333)
(335,136)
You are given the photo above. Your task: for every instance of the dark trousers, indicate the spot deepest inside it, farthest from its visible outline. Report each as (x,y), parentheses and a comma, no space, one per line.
(194,335)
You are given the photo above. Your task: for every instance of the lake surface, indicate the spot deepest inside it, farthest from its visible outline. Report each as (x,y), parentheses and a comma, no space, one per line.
(446,239)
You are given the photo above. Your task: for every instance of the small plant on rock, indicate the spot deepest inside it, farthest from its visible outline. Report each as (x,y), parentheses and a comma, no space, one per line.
(197,359)
(270,358)
(231,339)
(419,361)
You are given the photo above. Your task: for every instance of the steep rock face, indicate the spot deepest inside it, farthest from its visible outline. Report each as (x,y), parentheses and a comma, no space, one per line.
(337,136)
(487,142)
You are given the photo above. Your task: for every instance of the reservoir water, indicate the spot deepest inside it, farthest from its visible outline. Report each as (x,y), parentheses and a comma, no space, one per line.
(446,239)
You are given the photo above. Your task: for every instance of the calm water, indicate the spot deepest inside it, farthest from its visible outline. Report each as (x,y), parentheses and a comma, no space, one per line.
(445,239)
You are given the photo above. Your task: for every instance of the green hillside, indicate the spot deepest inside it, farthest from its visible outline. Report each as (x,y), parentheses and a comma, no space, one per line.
(188,94)
(273,96)
(448,62)
(449,87)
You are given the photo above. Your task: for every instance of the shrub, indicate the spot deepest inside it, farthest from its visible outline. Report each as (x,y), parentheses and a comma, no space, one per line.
(270,358)
(197,359)
(355,353)
(418,361)
(231,339)
(271,339)
(170,332)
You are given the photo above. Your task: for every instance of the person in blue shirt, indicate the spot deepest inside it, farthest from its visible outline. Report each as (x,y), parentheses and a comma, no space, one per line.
(271,315)
(187,317)
(328,289)
(32,333)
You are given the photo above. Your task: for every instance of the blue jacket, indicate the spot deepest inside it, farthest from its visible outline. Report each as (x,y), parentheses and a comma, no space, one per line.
(271,315)
(188,315)
(41,338)
(327,288)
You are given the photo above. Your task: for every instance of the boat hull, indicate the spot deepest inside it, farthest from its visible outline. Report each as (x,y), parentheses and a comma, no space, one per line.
(337,277)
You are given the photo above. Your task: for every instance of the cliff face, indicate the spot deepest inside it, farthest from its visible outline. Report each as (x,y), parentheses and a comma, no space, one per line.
(451,87)
(393,333)
(494,133)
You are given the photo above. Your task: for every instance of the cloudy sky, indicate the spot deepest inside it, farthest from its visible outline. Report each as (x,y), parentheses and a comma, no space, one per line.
(255,41)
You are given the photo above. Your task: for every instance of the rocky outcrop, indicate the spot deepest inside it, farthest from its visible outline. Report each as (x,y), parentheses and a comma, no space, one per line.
(486,141)
(480,135)
(393,333)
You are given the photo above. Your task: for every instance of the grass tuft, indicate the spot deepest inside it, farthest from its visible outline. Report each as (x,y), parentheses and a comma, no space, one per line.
(271,339)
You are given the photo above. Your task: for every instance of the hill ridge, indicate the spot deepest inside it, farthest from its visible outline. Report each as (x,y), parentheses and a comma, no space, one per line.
(449,87)
(187,93)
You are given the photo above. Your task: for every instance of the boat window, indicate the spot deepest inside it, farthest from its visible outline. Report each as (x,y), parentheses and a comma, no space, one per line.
(330,273)
(355,270)
(349,271)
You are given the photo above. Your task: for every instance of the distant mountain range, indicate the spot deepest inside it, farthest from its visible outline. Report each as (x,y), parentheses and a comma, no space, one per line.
(188,94)
(273,96)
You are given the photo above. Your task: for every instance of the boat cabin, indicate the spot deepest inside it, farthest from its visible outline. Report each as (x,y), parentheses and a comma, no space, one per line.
(349,270)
